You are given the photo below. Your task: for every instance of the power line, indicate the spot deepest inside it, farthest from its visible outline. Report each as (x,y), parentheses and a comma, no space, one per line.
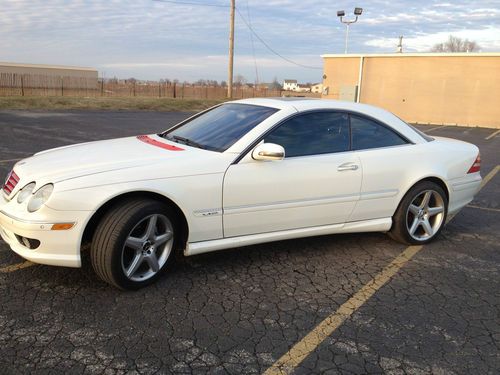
(192,3)
(248,25)
(253,47)
(271,49)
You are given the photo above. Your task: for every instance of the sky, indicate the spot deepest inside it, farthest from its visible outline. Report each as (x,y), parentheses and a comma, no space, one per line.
(151,40)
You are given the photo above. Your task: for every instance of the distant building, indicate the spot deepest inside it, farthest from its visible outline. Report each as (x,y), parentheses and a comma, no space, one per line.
(290,85)
(303,88)
(37,75)
(317,88)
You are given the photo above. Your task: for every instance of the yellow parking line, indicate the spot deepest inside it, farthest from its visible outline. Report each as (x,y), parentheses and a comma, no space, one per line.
(486,179)
(436,128)
(489,176)
(484,208)
(493,135)
(15,267)
(291,359)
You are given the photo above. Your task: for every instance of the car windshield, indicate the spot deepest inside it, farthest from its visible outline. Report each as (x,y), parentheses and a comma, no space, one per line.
(219,128)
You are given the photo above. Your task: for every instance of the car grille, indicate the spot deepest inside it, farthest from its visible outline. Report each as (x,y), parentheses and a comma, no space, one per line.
(10,182)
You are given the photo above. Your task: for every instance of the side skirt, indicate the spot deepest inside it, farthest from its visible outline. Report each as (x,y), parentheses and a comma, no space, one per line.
(373,225)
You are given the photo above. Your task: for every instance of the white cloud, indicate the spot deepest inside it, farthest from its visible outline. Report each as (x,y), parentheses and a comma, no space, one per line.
(150,39)
(487,38)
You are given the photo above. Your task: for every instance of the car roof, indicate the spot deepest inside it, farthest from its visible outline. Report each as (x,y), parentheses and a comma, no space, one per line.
(308,104)
(275,102)
(304,104)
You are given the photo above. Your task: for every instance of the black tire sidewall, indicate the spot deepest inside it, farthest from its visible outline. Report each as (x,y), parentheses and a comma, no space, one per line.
(116,247)
(400,229)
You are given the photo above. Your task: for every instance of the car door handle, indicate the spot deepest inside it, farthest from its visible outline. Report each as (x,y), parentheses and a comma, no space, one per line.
(347,167)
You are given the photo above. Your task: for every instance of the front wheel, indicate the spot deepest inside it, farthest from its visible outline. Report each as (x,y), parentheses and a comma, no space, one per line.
(133,243)
(421,214)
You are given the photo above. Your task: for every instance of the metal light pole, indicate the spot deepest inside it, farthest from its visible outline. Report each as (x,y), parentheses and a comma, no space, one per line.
(341,14)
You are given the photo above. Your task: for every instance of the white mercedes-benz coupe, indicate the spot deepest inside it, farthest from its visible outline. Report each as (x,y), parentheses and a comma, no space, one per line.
(240,173)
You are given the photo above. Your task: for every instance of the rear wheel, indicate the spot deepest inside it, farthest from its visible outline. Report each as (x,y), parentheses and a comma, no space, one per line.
(133,243)
(421,214)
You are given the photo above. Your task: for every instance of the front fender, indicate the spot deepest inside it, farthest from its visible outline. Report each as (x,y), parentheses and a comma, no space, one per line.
(191,194)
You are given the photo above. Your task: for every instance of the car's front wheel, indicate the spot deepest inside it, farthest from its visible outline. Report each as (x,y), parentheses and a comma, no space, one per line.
(133,243)
(421,214)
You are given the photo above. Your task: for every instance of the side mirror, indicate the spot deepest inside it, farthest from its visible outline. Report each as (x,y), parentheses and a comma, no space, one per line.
(268,151)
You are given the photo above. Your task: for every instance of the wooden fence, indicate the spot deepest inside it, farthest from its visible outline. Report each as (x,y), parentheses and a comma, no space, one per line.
(12,84)
(39,85)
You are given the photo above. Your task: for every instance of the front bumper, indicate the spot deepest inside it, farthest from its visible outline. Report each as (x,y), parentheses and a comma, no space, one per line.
(57,247)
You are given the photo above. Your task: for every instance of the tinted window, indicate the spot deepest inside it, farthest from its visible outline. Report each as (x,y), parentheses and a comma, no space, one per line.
(219,128)
(370,134)
(312,134)
(422,134)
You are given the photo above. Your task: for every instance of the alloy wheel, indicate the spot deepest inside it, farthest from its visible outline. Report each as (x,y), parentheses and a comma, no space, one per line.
(425,215)
(147,247)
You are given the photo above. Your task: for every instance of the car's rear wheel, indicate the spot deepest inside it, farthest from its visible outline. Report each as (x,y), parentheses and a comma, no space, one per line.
(133,243)
(421,214)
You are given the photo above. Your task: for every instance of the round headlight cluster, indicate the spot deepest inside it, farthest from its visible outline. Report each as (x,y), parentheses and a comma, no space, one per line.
(39,198)
(25,192)
(36,198)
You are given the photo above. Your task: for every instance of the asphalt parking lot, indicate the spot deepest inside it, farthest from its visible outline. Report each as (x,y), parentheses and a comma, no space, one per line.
(241,310)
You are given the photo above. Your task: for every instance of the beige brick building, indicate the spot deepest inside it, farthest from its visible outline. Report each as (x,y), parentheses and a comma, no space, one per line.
(435,88)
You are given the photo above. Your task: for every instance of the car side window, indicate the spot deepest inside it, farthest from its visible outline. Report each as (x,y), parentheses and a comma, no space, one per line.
(312,134)
(368,134)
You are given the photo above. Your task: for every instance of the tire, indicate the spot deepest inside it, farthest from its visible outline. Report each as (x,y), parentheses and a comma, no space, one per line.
(418,223)
(128,239)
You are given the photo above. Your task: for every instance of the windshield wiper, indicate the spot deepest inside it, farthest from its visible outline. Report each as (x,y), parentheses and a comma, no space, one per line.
(186,141)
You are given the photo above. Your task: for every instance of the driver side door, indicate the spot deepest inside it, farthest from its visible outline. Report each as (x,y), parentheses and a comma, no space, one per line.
(317,183)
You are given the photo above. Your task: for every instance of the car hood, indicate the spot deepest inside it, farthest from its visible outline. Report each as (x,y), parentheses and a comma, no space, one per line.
(84,159)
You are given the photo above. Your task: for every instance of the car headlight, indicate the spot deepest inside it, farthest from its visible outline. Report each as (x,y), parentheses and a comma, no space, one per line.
(25,192)
(40,197)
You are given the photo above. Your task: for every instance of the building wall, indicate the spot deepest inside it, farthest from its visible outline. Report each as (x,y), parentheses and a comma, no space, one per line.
(462,89)
(339,72)
(46,75)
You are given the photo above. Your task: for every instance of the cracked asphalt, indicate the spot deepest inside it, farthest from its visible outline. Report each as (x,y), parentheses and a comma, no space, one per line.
(238,311)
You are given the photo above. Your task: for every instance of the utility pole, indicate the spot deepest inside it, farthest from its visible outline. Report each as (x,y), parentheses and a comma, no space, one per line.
(400,44)
(231,51)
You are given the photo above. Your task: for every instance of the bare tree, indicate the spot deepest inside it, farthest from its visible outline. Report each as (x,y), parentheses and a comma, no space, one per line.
(201,82)
(239,80)
(456,44)
(275,85)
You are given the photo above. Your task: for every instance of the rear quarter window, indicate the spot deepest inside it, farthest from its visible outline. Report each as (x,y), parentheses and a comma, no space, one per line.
(367,134)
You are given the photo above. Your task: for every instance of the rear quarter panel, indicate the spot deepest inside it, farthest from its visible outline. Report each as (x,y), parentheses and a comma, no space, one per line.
(389,173)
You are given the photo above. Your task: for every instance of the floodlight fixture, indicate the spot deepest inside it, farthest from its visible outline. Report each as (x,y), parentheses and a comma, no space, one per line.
(341,14)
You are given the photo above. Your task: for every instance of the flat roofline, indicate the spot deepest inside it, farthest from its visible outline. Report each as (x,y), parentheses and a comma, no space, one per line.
(46,66)
(417,54)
